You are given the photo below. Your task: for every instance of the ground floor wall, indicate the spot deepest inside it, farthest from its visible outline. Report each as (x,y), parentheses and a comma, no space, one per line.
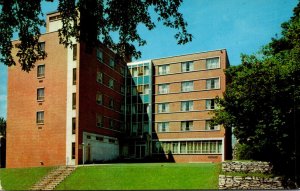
(188,158)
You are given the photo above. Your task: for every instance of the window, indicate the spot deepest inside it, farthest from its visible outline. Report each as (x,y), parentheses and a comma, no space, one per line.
(40,117)
(40,94)
(99,99)
(146,70)
(111,63)
(40,71)
(140,89)
(74,100)
(186,125)
(122,70)
(163,107)
(134,91)
(141,71)
(99,120)
(187,105)
(111,83)
(101,139)
(187,86)
(163,126)
(164,69)
(187,66)
(163,88)
(42,46)
(122,109)
(74,76)
(74,51)
(73,125)
(111,123)
(99,77)
(122,89)
(73,150)
(212,63)
(212,83)
(210,104)
(111,103)
(146,89)
(208,126)
(99,55)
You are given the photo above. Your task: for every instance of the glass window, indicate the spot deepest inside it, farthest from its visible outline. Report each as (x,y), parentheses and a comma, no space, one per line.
(40,71)
(111,83)
(186,125)
(163,107)
(111,63)
(146,89)
(73,125)
(210,104)
(111,123)
(99,55)
(212,63)
(99,98)
(134,72)
(141,71)
(182,147)
(146,70)
(187,86)
(163,88)
(190,147)
(99,120)
(187,105)
(164,69)
(73,150)
(74,51)
(40,94)
(42,46)
(74,76)
(40,117)
(208,126)
(212,83)
(163,126)
(187,66)
(74,100)
(111,103)
(99,77)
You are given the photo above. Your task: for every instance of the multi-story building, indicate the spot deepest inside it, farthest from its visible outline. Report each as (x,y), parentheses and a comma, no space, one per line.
(77,106)
(70,103)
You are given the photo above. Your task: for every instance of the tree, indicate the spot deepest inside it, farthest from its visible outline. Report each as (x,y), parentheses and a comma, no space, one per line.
(2,126)
(97,21)
(262,101)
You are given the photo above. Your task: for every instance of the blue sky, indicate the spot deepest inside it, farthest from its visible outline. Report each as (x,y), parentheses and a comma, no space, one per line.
(240,26)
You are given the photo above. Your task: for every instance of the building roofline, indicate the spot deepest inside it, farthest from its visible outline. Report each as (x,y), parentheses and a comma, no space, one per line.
(52,12)
(189,54)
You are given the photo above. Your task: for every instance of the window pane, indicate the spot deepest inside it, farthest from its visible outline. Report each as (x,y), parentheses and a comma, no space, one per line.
(74,100)
(74,76)
(187,86)
(40,94)
(41,71)
(99,55)
(40,117)
(74,51)
(212,63)
(73,125)
(182,147)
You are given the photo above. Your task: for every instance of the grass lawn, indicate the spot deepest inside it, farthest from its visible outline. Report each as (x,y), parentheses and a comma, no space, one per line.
(21,178)
(143,176)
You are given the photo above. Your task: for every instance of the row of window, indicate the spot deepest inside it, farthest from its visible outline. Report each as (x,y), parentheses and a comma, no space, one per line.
(111,103)
(187,86)
(186,126)
(211,63)
(102,139)
(112,124)
(188,147)
(111,82)
(210,104)
(112,62)
(139,71)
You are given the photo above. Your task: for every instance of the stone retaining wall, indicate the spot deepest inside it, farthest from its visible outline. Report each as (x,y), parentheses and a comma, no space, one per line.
(249,166)
(248,182)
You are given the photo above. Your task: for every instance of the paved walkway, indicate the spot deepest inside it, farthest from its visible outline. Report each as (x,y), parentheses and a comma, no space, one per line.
(1,186)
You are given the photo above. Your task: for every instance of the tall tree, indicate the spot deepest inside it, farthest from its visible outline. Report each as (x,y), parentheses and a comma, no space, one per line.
(97,21)
(262,101)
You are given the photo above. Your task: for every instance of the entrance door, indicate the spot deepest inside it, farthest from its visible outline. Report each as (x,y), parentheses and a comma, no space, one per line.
(140,151)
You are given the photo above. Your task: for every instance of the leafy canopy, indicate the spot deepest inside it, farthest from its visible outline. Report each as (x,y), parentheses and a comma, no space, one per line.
(262,101)
(97,21)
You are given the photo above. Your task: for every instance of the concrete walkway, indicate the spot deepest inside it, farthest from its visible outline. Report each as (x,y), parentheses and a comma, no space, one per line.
(1,186)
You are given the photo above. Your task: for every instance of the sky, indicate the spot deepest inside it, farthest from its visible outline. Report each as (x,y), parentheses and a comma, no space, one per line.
(239,26)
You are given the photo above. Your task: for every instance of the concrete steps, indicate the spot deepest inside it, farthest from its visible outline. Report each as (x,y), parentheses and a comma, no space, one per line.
(54,178)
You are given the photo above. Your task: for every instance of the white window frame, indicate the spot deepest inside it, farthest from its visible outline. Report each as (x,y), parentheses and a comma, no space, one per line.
(163,88)
(187,125)
(210,104)
(164,69)
(40,117)
(163,108)
(187,66)
(187,86)
(40,98)
(187,105)
(213,83)
(210,64)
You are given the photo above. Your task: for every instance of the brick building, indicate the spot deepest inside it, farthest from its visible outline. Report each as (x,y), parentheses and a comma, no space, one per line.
(76,107)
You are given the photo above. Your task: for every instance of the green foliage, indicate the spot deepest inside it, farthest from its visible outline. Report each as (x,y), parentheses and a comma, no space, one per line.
(98,20)
(154,176)
(2,126)
(262,101)
(22,178)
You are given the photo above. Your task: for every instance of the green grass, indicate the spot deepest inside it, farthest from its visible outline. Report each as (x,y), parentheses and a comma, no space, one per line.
(21,178)
(143,176)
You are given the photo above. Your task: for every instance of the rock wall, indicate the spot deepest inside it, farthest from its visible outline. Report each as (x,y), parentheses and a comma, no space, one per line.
(248,182)
(246,167)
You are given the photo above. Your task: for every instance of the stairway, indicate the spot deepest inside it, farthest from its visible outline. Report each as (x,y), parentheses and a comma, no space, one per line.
(56,176)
